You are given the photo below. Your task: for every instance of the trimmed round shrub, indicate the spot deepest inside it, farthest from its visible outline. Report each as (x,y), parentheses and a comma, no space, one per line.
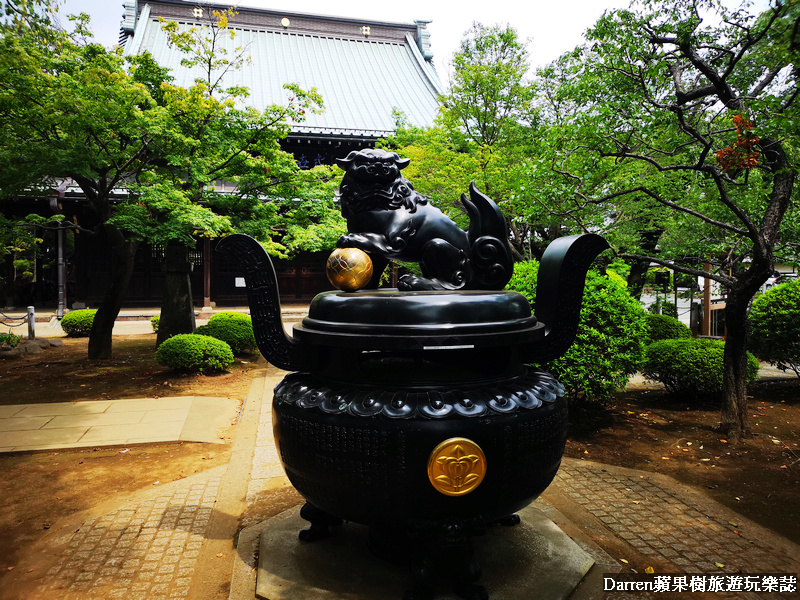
(611,334)
(664,327)
(201,330)
(194,354)
(154,321)
(78,323)
(691,367)
(236,329)
(228,316)
(775,326)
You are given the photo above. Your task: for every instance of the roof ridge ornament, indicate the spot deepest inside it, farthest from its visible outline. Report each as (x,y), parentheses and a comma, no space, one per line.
(424,39)
(128,24)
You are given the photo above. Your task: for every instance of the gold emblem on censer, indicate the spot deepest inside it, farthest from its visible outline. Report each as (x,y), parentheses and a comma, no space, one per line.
(456,466)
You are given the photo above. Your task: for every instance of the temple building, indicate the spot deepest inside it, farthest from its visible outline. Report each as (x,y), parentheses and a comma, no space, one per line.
(366,71)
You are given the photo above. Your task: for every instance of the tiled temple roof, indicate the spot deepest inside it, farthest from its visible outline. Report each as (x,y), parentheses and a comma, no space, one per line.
(364,70)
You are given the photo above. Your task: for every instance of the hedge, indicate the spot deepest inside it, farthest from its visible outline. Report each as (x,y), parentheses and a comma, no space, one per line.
(611,334)
(691,367)
(775,326)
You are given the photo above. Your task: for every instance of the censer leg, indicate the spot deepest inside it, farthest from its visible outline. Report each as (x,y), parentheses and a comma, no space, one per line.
(509,520)
(447,554)
(465,580)
(425,575)
(321,523)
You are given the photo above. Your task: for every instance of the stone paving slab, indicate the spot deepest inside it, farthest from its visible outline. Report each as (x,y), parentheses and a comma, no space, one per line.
(10,411)
(53,425)
(532,560)
(63,408)
(23,423)
(34,438)
(100,419)
(160,404)
(266,468)
(110,434)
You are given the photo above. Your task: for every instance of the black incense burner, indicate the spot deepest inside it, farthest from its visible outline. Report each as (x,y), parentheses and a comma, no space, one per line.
(413,410)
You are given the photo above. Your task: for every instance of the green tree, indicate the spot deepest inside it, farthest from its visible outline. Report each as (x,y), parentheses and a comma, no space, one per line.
(75,110)
(211,136)
(691,122)
(69,110)
(487,132)
(488,94)
(19,14)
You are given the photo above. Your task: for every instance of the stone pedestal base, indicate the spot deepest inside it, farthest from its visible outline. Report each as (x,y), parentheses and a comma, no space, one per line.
(534,559)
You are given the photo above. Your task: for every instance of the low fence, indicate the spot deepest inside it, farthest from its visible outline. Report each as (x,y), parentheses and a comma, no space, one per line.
(29,318)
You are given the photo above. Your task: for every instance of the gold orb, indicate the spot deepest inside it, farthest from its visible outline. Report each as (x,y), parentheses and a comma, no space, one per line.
(349,269)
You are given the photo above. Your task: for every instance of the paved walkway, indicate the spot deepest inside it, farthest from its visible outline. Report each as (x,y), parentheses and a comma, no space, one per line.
(132,321)
(59,425)
(176,541)
(146,549)
(672,527)
(160,542)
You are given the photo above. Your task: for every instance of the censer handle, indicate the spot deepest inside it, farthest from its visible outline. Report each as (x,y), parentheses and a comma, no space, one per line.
(264,300)
(559,292)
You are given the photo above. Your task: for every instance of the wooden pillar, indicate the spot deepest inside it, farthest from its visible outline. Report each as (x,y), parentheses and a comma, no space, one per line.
(206,274)
(706,327)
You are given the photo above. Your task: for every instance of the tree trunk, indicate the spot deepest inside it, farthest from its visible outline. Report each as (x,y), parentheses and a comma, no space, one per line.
(734,421)
(515,241)
(123,253)
(177,311)
(638,273)
(636,278)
